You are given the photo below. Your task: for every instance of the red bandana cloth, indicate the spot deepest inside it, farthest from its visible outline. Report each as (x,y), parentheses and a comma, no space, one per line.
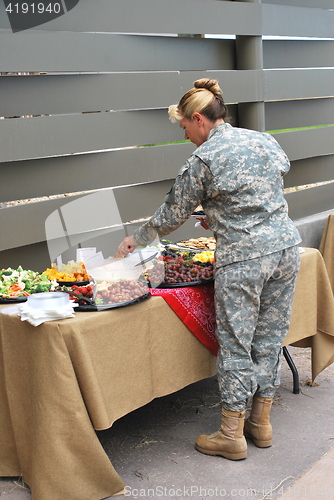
(195,308)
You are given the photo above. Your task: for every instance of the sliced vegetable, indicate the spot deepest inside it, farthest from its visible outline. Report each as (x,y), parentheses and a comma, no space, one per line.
(18,282)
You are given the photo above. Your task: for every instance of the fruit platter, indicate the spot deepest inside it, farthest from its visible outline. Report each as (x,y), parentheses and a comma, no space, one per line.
(179,267)
(70,273)
(106,295)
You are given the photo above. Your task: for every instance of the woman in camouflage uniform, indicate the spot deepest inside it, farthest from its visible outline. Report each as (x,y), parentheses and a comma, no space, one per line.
(237,177)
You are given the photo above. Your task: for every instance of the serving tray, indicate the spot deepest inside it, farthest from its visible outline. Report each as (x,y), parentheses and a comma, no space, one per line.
(102,307)
(184,284)
(71,283)
(12,300)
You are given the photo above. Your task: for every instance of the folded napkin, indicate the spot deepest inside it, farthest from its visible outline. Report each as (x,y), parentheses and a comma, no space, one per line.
(38,316)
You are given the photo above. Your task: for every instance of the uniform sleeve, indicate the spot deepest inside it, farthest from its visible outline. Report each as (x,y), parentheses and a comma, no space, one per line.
(281,156)
(186,194)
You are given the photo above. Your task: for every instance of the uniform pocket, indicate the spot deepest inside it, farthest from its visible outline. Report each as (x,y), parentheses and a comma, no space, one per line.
(170,196)
(235,364)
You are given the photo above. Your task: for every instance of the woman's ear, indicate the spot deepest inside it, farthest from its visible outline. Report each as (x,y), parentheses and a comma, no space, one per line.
(198,118)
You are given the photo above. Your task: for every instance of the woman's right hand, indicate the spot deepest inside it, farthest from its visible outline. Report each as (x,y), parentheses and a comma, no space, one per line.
(203,222)
(127,246)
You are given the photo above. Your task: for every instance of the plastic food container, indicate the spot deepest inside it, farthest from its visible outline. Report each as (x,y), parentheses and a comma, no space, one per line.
(48,300)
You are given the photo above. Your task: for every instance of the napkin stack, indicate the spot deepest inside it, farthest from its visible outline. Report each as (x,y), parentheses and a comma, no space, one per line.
(38,316)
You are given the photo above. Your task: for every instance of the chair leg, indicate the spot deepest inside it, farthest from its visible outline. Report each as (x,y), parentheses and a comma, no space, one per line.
(294,370)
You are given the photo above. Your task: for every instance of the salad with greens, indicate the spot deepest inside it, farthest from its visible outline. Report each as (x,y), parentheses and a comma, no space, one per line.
(15,283)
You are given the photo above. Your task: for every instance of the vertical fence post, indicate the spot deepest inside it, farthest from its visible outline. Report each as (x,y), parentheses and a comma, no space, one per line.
(249,55)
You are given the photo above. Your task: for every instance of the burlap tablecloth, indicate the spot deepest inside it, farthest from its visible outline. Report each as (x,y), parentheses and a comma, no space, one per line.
(326,248)
(63,379)
(312,320)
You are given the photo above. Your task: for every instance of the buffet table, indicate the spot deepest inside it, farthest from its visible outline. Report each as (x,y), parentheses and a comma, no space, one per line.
(62,380)
(326,248)
(312,319)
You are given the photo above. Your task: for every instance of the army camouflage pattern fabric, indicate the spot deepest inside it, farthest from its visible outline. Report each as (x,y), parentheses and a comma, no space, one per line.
(253,308)
(237,177)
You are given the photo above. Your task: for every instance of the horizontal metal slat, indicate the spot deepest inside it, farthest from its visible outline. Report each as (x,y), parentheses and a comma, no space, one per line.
(95,52)
(35,257)
(298,84)
(28,138)
(310,171)
(281,20)
(299,113)
(76,93)
(40,137)
(67,94)
(298,53)
(28,221)
(174,16)
(191,16)
(133,202)
(310,201)
(316,4)
(307,143)
(77,173)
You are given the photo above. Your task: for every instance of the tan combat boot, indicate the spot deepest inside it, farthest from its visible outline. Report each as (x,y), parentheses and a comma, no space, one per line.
(229,441)
(257,425)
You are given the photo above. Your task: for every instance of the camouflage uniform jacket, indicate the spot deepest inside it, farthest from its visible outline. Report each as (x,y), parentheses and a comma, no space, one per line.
(237,177)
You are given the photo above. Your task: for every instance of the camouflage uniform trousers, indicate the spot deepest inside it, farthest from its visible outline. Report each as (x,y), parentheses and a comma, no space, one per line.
(253,300)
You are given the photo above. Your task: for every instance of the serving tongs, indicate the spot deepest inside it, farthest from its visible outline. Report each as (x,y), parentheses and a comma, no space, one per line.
(151,257)
(89,300)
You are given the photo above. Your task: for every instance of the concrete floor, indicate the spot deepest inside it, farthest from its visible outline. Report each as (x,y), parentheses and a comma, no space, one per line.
(153,447)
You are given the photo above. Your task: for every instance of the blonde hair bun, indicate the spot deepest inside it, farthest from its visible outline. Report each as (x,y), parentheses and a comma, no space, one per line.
(211,85)
(205,97)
